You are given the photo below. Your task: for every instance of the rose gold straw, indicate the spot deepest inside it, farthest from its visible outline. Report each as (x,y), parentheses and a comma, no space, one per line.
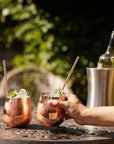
(5,76)
(76,60)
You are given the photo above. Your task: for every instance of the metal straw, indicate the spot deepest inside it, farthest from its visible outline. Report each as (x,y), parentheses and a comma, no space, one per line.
(5,76)
(76,60)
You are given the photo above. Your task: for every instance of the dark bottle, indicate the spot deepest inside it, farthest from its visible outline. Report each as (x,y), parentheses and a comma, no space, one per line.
(106,60)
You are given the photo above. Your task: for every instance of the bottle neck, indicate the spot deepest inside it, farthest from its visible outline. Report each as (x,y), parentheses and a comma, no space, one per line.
(110,49)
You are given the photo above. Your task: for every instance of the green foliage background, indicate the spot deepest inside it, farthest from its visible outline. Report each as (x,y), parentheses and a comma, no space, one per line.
(50,34)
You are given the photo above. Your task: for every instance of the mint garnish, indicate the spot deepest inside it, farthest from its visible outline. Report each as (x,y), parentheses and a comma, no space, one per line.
(59,90)
(13,94)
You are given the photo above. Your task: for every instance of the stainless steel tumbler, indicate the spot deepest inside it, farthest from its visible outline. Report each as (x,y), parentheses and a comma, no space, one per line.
(100,84)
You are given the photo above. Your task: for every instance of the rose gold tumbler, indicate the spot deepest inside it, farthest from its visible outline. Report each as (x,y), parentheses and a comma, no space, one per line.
(47,115)
(17,112)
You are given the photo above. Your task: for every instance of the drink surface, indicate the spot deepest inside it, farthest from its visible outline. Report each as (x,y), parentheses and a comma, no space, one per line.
(22,93)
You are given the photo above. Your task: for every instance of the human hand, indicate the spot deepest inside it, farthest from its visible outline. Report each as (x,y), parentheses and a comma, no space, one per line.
(73,107)
(83,115)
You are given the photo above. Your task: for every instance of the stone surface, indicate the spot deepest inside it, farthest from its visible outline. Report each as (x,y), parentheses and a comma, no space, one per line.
(67,132)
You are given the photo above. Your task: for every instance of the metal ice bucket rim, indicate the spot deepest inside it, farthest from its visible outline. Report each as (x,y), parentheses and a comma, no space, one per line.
(98,69)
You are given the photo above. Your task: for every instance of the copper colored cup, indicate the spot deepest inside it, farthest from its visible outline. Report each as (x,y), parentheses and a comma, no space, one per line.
(17,112)
(47,115)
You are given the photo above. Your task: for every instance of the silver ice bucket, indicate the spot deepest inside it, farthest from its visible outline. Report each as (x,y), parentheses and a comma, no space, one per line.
(100,84)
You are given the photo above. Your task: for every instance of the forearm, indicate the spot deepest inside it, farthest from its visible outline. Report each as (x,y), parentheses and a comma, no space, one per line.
(99,116)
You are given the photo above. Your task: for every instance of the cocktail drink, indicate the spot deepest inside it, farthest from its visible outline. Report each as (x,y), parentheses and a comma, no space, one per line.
(17,109)
(53,116)
(47,115)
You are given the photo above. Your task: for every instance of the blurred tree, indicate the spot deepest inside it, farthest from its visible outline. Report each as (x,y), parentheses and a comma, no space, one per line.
(50,34)
(27,27)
